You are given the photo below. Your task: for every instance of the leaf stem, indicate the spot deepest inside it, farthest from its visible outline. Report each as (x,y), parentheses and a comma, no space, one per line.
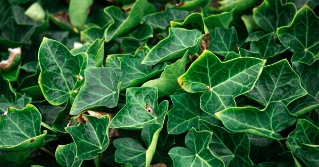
(97,160)
(282,147)
(47,151)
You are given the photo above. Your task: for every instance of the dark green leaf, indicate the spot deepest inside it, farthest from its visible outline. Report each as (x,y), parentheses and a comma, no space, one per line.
(266,123)
(222,41)
(66,156)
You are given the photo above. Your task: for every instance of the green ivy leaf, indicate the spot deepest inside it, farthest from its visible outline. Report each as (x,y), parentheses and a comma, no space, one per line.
(186,114)
(272,14)
(231,148)
(255,36)
(220,81)
(277,82)
(83,49)
(96,53)
(193,21)
(20,129)
(228,5)
(53,114)
(14,35)
(132,152)
(19,104)
(99,89)
(223,41)
(266,123)
(142,32)
(123,22)
(302,35)
(265,47)
(219,20)
(197,152)
(309,80)
(89,35)
(303,141)
(140,110)
(190,5)
(135,73)
(63,72)
(113,62)
(161,20)
(167,83)
(90,139)
(174,46)
(66,156)
(300,3)
(250,23)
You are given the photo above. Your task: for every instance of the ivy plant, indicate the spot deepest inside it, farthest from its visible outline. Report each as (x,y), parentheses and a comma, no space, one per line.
(159,83)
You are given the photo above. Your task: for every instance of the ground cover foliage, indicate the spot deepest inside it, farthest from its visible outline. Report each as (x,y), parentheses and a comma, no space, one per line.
(159,83)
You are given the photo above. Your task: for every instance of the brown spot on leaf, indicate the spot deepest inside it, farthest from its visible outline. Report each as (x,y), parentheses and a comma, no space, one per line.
(207,87)
(63,17)
(158,165)
(237,47)
(180,4)
(66,117)
(127,9)
(13,53)
(32,140)
(79,77)
(88,10)
(205,42)
(149,109)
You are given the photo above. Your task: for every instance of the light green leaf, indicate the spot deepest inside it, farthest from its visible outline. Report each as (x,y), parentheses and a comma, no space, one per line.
(140,110)
(303,141)
(272,14)
(266,123)
(132,152)
(99,89)
(309,80)
(174,46)
(83,49)
(220,81)
(135,73)
(36,12)
(277,82)
(161,20)
(197,152)
(66,156)
(222,41)
(186,114)
(228,5)
(219,20)
(79,11)
(300,3)
(63,72)
(90,139)
(123,22)
(167,83)
(302,35)
(20,129)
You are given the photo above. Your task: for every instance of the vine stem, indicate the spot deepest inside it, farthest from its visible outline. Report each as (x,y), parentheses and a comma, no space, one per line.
(282,147)
(47,151)
(97,160)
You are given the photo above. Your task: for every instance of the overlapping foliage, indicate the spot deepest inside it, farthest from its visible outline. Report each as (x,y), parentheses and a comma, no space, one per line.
(159,83)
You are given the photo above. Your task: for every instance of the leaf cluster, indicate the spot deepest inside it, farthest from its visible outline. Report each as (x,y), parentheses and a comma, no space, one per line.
(159,83)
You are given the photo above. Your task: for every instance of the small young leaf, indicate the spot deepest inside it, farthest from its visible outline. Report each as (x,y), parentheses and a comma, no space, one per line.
(66,156)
